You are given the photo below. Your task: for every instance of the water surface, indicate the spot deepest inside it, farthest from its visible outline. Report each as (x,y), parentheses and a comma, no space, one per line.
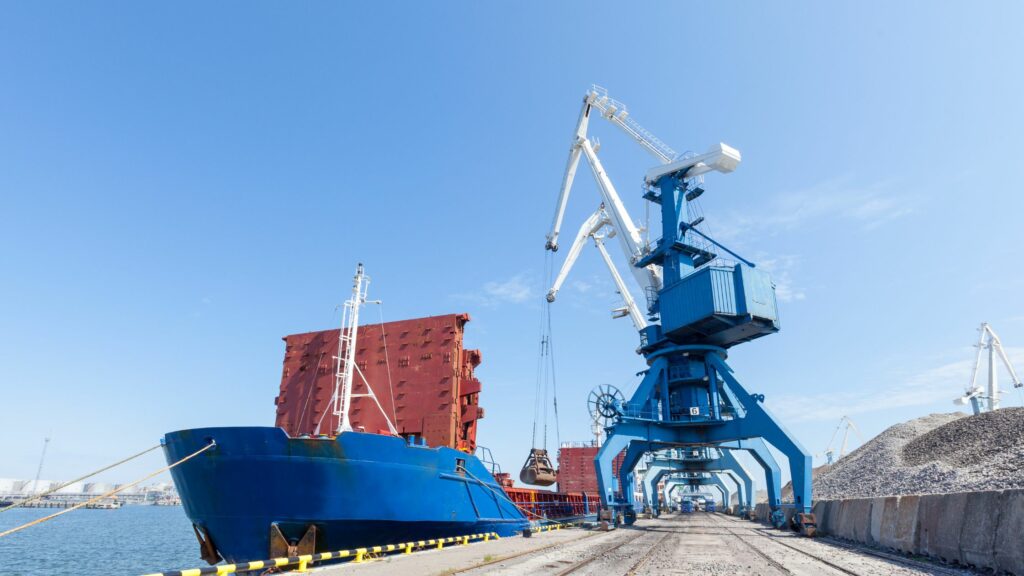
(132,540)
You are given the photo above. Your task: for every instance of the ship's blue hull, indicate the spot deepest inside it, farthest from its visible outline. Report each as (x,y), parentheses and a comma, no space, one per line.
(357,489)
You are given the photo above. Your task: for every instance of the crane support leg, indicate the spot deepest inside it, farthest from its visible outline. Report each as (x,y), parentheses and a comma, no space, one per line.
(772,431)
(743,477)
(758,449)
(720,483)
(634,453)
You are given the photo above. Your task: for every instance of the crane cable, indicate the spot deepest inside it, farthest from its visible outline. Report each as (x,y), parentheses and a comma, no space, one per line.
(554,382)
(546,368)
(42,495)
(117,490)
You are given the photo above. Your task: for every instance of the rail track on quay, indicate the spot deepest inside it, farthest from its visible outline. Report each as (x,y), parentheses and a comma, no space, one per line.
(774,537)
(698,544)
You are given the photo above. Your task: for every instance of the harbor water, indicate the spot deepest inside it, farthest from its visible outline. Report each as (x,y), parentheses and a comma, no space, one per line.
(132,540)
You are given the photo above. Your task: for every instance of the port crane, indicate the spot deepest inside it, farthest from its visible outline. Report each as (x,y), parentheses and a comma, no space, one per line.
(698,306)
(830,456)
(987,399)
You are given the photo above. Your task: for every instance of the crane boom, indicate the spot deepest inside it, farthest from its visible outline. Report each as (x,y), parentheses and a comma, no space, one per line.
(629,236)
(629,304)
(570,175)
(590,226)
(616,113)
(1006,360)
(613,214)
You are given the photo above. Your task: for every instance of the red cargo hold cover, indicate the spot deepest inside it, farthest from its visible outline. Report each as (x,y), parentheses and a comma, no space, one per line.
(432,392)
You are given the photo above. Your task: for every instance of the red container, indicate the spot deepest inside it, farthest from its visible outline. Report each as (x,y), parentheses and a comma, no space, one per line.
(431,393)
(576,471)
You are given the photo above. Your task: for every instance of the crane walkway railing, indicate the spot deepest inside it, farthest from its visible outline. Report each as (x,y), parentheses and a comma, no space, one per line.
(616,112)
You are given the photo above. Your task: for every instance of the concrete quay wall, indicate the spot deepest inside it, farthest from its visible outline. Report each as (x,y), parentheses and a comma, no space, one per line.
(980,529)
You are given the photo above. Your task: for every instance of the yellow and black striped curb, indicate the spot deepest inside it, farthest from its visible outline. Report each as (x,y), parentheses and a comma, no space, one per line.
(357,555)
(550,527)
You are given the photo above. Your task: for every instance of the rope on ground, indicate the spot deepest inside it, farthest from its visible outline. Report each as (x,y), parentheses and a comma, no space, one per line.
(121,488)
(79,479)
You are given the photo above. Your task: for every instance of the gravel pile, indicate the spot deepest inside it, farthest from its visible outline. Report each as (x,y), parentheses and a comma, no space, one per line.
(939,453)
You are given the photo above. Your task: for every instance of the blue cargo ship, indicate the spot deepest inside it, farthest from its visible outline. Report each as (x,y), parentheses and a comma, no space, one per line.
(259,493)
(356,489)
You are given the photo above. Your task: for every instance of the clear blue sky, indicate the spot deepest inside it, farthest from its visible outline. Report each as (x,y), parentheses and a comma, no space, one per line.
(183,184)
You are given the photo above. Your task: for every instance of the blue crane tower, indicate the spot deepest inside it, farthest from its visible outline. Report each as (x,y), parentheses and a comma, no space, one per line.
(689,396)
(699,306)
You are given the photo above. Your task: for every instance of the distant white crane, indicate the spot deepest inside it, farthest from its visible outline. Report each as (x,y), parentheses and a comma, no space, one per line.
(982,399)
(829,452)
(39,470)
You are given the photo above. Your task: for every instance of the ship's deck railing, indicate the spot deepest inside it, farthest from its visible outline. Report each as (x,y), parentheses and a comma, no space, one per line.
(579,444)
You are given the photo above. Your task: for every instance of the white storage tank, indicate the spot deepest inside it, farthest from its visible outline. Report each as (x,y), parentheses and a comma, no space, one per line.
(73,488)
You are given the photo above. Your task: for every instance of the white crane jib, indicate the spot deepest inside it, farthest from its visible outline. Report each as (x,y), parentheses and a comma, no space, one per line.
(347,367)
(629,235)
(721,158)
(592,228)
(975,394)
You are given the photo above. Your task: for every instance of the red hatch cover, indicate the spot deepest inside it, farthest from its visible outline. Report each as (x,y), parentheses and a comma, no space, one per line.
(432,394)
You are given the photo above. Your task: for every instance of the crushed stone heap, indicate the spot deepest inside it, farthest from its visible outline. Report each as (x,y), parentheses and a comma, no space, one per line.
(938,453)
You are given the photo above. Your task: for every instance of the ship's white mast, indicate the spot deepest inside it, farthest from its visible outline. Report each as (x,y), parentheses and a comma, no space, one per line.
(346,358)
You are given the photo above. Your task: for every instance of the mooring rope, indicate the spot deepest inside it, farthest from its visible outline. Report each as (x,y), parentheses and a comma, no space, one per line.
(502,494)
(79,479)
(117,490)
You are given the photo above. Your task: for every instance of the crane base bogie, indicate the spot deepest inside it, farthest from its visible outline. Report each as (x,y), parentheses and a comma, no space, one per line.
(777,518)
(805,524)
